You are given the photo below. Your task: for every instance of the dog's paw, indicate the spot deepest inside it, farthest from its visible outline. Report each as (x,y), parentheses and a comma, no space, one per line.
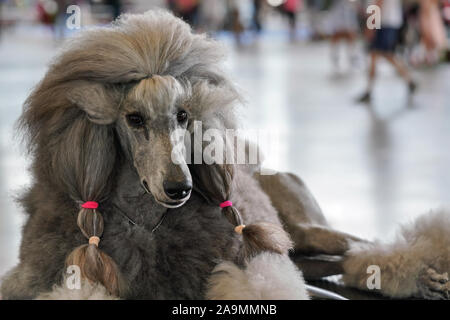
(433,285)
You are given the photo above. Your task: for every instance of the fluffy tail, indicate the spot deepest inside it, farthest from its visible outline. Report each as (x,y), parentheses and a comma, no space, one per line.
(416,264)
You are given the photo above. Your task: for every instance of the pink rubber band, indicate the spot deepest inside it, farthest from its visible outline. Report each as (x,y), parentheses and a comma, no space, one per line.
(90,205)
(225,204)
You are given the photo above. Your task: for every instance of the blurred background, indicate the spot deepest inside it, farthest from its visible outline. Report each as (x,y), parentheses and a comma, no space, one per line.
(303,67)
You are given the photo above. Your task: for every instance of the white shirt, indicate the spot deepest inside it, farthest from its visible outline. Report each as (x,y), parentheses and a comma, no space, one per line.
(392,14)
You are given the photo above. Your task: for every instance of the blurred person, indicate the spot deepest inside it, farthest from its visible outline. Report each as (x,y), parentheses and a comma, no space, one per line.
(256,17)
(47,11)
(317,11)
(383,44)
(185,9)
(235,19)
(409,33)
(116,6)
(212,14)
(446,11)
(53,14)
(446,14)
(345,28)
(60,27)
(237,26)
(290,9)
(433,32)
(1,17)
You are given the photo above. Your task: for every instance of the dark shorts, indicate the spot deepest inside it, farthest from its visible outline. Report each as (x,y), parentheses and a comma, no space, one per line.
(385,40)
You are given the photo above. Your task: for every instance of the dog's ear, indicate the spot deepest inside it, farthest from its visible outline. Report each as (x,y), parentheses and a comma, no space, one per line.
(100,102)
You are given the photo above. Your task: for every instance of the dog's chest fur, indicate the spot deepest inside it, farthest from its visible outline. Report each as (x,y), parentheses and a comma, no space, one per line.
(174,260)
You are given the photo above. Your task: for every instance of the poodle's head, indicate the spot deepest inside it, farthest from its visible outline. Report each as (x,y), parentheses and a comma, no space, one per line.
(152,118)
(128,92)
(148,117)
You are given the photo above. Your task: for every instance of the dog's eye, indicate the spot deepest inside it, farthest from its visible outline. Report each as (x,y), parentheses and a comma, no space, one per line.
(182,116)
(135,120)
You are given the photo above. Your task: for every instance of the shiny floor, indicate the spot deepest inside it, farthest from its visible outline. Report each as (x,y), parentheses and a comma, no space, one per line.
(370,167)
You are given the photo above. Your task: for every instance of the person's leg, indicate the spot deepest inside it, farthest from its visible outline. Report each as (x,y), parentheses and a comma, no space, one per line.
(399,66)
(372,71)
(292,25)
(335,51)
(351,50)
(401,69)
(256,16)
(371,81)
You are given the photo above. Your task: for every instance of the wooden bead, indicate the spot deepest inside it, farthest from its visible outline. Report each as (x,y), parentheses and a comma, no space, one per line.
(239,228)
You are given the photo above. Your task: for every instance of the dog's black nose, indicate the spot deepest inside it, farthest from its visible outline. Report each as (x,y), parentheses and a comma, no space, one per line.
(177,190)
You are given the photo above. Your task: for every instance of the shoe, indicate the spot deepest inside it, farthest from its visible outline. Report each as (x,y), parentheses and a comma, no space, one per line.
(366,97)
(412,87)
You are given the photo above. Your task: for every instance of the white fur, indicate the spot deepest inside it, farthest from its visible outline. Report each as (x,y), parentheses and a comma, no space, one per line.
(268,276)
(88,291)
(415,264)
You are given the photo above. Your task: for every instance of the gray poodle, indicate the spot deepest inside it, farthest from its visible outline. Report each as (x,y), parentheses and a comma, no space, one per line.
(108,197)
